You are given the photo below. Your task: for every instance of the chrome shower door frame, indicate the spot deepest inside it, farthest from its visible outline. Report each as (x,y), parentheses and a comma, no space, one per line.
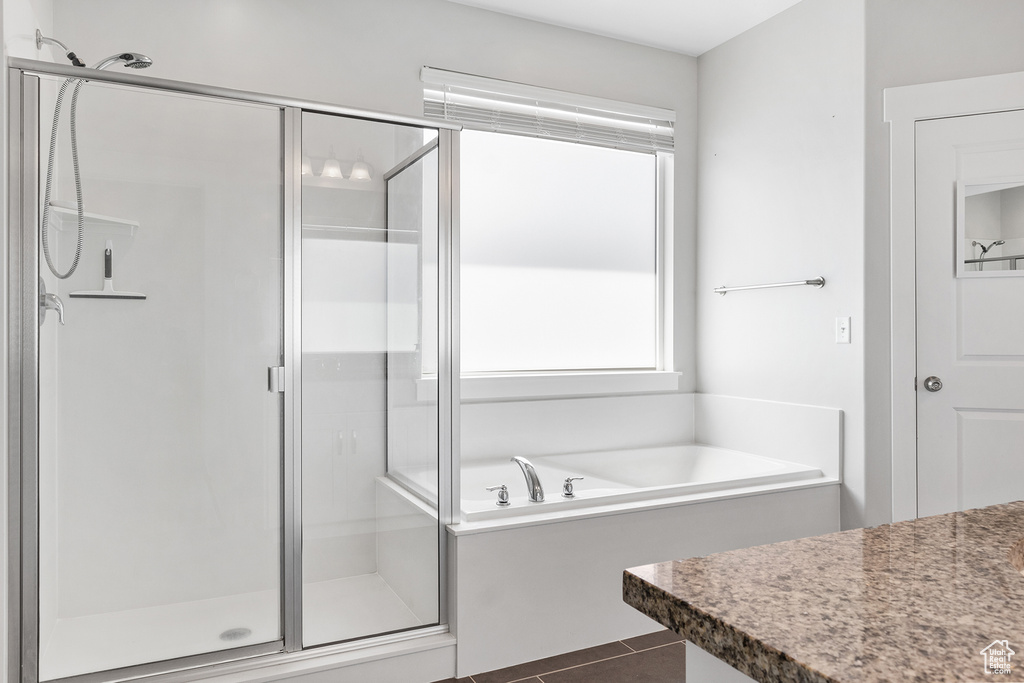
(22,490)
(22,380)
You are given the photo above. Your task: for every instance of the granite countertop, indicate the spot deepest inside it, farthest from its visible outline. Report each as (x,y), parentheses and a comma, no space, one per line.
(911,601)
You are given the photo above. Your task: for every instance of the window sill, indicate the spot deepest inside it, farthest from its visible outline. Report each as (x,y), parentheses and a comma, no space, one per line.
(477,388)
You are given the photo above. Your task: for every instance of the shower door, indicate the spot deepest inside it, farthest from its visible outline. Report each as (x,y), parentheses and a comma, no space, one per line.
(160,446)
(234,439)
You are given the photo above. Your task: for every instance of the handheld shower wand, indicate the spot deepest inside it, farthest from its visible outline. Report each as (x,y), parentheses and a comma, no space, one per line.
(984,250)
(133,60)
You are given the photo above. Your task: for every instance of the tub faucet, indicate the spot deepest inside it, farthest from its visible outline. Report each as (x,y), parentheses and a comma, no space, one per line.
(533,487)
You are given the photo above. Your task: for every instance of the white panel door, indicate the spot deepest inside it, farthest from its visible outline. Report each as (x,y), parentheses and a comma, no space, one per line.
(970,319)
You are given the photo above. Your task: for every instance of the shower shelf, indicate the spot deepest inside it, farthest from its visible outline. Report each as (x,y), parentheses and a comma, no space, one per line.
(340,184)
(359,233)
(66,218)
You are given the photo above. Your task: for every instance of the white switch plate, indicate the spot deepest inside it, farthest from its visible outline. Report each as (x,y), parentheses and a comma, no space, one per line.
(843,330)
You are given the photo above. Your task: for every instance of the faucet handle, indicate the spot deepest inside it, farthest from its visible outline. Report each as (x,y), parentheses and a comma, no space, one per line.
(567,487)
(53,302)
(49,302)
(502,494)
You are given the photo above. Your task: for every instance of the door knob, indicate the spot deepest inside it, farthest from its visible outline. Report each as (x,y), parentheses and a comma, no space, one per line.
(933,383)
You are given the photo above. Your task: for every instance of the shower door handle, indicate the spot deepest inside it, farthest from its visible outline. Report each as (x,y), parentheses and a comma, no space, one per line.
(275,380)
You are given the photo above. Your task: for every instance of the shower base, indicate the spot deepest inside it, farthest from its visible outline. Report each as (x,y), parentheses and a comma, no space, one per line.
(339,609)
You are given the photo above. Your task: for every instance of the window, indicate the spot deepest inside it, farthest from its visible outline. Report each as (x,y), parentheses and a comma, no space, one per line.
(558,256)
(560,209)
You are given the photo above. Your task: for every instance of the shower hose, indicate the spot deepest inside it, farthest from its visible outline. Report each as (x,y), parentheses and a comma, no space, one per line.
(44,228)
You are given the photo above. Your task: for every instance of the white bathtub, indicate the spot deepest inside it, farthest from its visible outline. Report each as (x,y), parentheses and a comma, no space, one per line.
(552,571)
(620,476)
(609,477)
(536,580)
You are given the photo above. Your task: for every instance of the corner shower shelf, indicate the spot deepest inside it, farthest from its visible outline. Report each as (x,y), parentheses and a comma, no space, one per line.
(362,234)
(66,218)
(341,184)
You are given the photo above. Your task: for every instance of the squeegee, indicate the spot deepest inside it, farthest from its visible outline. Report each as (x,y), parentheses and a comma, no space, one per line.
(108,291)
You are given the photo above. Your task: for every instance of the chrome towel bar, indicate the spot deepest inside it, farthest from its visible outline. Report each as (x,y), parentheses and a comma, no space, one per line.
(818,282)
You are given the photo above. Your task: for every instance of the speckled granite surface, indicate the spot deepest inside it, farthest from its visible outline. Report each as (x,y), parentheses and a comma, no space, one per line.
(912,601)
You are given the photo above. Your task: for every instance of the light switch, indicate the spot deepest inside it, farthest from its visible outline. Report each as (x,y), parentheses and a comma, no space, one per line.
(843,330)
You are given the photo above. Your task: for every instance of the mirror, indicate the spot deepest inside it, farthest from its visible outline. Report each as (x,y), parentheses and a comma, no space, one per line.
(990,228)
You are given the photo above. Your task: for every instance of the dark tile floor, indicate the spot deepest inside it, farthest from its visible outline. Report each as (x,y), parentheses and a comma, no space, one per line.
(654,658)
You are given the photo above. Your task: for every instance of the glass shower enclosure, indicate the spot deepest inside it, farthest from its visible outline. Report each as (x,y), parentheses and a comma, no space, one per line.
(233,437)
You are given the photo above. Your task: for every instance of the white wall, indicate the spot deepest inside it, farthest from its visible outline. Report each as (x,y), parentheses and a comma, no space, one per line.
(368,54)
(767,100)
(572,425)
(908,42)
(21,19)
(809,435)
(780,158)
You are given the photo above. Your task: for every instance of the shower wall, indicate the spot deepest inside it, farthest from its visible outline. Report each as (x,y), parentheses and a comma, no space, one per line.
(344,344)
(365,341)
(344,311)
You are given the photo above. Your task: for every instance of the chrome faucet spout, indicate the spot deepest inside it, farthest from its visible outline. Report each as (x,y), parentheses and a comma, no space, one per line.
(533,487)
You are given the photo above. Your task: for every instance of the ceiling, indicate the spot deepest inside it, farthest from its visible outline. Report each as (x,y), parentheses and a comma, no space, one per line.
(690,27)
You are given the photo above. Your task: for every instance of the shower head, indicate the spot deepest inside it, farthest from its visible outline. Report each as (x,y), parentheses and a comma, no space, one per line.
(131,60)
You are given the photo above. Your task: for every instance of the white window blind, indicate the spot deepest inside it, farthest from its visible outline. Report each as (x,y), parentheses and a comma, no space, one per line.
(505,107)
